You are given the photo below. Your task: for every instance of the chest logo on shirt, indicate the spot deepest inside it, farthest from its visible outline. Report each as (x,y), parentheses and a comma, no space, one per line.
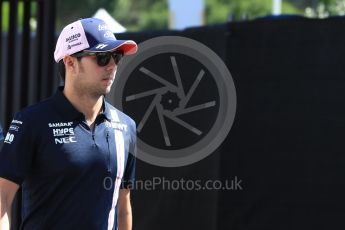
(60,124)
(116,125)
(63,132)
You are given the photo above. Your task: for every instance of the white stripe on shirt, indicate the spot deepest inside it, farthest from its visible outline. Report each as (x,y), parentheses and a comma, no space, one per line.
(120,155)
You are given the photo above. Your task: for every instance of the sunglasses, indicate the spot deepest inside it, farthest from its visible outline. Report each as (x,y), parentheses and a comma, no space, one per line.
(103,58)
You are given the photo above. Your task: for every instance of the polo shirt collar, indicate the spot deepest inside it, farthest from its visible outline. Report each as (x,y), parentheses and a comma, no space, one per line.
(67,110)
(106,110)
(64,106)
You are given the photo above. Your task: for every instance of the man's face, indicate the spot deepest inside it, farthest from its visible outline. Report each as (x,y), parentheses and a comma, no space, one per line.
(93,79)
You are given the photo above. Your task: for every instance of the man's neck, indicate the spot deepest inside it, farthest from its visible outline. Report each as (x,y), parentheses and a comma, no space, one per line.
(86,104)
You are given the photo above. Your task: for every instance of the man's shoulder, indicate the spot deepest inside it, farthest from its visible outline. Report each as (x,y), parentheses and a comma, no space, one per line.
(36,110)
(121,115)
(1,133)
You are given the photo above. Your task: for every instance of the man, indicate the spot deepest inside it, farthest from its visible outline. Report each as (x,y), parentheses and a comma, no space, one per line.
(71,152)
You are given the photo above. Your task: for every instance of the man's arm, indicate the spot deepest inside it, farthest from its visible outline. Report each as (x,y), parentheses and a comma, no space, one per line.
(124,210)
(8,189)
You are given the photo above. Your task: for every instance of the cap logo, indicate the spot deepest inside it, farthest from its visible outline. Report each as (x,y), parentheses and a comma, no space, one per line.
(102,27)
(73,37)
(73,45)
(101,46)
(108,34)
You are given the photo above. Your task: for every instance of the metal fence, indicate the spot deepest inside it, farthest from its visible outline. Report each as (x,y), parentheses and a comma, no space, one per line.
(26,60)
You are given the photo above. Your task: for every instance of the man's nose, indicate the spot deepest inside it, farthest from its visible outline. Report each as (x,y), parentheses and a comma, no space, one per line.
(111,65)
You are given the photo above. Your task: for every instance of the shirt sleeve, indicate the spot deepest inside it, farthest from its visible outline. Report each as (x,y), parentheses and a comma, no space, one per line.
(1,133)
(129,174)
(17,151)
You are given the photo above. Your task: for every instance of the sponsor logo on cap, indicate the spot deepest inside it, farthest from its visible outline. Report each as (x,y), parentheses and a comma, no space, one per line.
(73,45)
(102,27)
(101,46)
(73,37)
(108,34)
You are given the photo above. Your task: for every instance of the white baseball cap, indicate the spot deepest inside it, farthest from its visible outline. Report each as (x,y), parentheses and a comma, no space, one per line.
(90,35)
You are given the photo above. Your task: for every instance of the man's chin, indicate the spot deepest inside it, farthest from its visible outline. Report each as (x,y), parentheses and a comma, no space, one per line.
(102,92)
(107,90)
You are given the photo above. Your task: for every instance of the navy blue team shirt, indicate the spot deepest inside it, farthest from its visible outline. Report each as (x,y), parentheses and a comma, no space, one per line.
(70,175)
(1,133)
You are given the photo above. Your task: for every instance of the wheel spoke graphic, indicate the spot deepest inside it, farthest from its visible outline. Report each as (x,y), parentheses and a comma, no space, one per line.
(192,89)
(177,75)
(146,93)
(157,78)
(148,112)
(194,108)
(183,123)
(163,126)
(181,108)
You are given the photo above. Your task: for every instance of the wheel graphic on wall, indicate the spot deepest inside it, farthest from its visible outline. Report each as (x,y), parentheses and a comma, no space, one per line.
(182,97)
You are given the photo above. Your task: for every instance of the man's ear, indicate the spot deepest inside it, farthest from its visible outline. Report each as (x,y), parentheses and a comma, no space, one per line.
(70,64)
